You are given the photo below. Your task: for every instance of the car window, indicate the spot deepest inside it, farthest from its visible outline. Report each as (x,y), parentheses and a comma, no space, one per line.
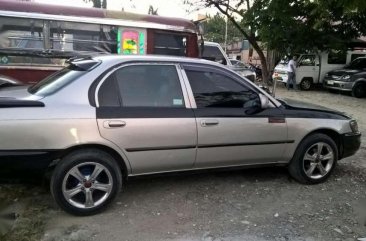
(217,90)
(307,60)
(359,63)
(213,53)
(56,81)
(142,86)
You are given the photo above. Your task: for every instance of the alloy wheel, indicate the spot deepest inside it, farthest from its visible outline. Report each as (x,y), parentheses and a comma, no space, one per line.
(87,185)
(318,160)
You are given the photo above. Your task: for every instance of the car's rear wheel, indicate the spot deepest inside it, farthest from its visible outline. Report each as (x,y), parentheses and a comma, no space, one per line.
(314,159)
(86,181)
(359,90)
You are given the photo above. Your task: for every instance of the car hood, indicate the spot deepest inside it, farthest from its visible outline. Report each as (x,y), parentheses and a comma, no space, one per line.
(17,92)
(291,104)
(341,72)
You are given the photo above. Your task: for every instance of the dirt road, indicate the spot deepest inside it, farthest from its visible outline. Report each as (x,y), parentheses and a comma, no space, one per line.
(256,204)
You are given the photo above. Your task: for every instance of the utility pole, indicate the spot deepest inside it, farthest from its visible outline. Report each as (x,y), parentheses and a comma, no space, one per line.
(225,44)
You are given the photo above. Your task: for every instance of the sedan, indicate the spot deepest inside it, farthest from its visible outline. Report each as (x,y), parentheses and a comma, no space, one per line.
(103,119)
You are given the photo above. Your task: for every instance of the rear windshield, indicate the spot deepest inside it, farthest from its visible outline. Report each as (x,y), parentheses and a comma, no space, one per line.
(60,79)
(56,81)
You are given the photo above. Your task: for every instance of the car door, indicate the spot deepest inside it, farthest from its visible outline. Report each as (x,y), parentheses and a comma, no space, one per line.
(142,109)
(232,128)
(308,67)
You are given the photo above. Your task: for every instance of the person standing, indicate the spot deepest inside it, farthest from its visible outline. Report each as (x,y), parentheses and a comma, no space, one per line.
(291,73)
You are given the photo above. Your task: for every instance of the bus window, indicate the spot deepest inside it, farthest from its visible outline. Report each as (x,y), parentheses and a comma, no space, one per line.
(170,44)
(81,37)
(19,33)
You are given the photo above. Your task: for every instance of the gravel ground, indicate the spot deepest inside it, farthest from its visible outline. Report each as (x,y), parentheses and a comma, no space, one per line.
(253,205)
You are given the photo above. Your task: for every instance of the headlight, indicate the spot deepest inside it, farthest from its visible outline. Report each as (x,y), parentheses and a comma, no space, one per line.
(346,77)
(354,126)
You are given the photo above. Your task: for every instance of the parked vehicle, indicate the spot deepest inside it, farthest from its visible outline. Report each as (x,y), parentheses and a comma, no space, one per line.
(311,68)
(351,78)
(36,39)
(213,52)
(103,119)
(280,71)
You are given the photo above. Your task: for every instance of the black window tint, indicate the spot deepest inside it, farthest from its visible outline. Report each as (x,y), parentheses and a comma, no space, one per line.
(355,56)
(149,86)
(337,57)
(359,63)
(217,90)
(108,93)
(170,44)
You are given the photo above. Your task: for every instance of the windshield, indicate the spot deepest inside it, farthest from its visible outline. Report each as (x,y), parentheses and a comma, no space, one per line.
(359,63)
(213,53)
(56,81)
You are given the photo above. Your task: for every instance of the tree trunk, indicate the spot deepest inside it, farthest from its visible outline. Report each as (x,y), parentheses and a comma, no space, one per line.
(265,72)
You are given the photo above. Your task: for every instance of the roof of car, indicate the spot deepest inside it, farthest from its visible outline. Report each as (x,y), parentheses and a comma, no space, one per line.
(164,58)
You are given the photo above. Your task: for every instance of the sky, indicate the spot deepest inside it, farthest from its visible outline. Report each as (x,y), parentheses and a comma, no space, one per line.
(169,8)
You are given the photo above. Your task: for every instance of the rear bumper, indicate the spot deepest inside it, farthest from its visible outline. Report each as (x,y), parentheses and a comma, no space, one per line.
(351,142)
(21,163)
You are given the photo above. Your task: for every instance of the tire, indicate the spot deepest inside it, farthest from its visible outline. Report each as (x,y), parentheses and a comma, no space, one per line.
(307,158)
(359,90)
(306,84)
(91,193)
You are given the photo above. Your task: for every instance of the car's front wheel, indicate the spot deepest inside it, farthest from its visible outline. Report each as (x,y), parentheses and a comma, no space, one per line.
(314,159)
(359,90)
(86,181)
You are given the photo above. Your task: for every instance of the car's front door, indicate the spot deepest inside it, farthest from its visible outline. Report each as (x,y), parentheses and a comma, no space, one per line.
(232,128)
(308,67)
(141,108)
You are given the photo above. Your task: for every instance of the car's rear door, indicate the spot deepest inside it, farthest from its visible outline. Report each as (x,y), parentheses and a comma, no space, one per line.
(232,129)
(143,109)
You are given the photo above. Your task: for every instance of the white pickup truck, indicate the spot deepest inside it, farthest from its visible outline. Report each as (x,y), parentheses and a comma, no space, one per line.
(312,68)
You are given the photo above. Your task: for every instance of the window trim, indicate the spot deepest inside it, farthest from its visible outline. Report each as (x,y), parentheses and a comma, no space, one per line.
(203,68)
(114,69)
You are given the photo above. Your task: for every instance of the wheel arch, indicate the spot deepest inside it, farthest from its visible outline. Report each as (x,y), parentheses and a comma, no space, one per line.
(333,134)
(122,163)
(360,80)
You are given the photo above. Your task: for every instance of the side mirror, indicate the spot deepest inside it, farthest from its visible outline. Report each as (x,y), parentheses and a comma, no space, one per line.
(264,101)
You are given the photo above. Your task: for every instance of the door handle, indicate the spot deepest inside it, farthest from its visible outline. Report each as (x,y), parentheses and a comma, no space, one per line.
(205,123)
(113,124)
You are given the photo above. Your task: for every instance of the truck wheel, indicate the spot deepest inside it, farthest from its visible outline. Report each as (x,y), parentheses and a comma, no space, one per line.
(306,84)
(359,90)
(314,159)
(86,181)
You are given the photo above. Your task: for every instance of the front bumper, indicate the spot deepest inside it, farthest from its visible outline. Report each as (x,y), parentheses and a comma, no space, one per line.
(351,143)
(338,84)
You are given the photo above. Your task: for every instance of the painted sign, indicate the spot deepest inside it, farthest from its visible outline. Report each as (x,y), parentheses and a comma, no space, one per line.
(131,42)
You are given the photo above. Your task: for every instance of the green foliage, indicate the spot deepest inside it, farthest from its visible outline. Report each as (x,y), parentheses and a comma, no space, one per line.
(295,26)
(215,30)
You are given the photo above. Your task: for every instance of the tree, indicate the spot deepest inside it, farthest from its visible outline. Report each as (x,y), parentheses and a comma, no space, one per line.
(215,27)
(152,11)
(290,26)
(98,3)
